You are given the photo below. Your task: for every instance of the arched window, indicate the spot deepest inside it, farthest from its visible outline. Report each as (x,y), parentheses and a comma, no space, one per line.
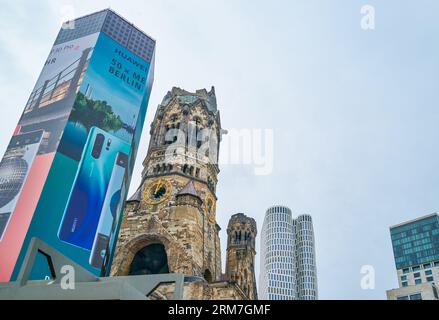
(210,184)
(195,138)
(207,275)
(209,205)
(209,233)
(151,259)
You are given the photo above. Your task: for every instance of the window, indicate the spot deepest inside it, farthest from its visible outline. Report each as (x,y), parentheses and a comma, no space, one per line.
(417,268)
(207,275)
(436,263)
(404,278)
(406,270)
(417,275)
(416,296)
(428,272)
(405,284)
(427,265)
(418,281)
(430,279)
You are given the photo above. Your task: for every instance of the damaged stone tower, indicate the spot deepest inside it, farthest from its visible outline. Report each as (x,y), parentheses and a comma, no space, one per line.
(169,224)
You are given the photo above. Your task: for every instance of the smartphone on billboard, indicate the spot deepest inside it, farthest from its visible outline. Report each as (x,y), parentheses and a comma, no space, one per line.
(14,169)
(113,236)
(84,206)
(110,211)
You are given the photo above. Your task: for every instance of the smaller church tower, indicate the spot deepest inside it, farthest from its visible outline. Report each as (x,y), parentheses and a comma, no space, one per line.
(241,235)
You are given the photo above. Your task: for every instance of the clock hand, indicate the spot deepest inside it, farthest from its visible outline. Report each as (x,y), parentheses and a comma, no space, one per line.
(156,188)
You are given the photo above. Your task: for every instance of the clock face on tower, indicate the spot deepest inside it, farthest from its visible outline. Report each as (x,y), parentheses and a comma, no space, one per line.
(157,192)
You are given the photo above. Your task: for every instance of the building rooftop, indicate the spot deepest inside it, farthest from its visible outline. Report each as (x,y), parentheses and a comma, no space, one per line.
(208,98)
(189,189)
(413,220)
(243,219)
(113,25)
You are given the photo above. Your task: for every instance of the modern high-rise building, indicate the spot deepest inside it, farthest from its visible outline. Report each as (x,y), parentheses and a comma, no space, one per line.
(288,261)
(416,251)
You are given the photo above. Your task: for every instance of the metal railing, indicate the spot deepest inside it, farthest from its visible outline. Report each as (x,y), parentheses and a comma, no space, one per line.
(61,85)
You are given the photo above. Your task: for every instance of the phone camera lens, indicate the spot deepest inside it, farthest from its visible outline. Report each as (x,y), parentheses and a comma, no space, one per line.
(97,148)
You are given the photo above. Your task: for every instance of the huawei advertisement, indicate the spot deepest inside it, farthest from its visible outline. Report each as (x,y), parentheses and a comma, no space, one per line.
(80,126)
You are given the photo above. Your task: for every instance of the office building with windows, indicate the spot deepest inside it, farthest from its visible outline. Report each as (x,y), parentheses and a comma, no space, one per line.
(416,252)
(288,264)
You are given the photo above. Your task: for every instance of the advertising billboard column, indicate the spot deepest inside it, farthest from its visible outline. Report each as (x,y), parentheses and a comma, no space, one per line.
(66,171)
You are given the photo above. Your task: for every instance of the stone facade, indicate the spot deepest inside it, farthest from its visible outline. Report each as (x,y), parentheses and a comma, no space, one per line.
(200,290)
(423,291)
(175,205)
(241,235)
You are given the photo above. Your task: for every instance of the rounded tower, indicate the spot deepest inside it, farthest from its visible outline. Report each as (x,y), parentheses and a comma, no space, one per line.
(288,261)
(241,236)
(306,271)
(277,271)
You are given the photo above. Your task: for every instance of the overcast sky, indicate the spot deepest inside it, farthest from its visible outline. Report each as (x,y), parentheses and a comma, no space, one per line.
(354,113)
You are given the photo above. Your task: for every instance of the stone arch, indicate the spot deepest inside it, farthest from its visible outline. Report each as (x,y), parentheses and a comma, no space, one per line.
(132,247)
(235,236)
(151,259)
(248,235)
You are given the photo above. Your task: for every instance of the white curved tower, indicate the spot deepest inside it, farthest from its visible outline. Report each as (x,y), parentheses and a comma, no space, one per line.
(288,268)
(277,273)
(306,271)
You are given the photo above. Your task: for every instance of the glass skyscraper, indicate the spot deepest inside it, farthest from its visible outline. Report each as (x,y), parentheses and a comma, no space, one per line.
(416,250)
(288,264)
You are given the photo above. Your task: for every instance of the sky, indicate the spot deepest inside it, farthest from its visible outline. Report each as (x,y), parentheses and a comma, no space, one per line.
(354,113)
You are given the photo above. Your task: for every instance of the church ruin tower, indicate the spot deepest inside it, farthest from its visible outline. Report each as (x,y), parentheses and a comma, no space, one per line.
(169,224)
(241,235)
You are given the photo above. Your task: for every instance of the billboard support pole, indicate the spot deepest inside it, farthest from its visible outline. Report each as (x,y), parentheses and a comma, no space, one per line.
(55,260)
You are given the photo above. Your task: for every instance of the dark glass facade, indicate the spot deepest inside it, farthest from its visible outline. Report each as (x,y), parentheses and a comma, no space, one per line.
(416,242)
(113,25)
